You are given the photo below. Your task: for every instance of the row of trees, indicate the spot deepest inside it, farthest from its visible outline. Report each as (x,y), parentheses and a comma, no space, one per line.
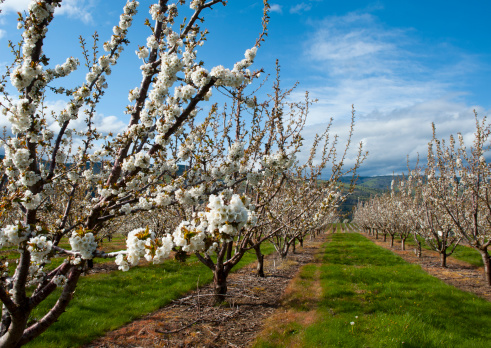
(444,203)
(217,184)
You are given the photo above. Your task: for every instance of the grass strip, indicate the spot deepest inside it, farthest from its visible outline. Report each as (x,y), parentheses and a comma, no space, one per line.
(373,298)
(462,252)
(104,302)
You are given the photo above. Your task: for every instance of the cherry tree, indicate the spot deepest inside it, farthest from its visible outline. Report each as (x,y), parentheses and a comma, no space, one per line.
(107,176)
(459,179)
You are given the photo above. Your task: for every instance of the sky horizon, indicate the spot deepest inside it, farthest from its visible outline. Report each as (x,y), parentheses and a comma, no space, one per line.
(403,65)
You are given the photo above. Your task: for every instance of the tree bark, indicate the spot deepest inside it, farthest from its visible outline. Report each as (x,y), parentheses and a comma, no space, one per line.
(443,258)
(229,250)
(417,250)
(14,333)
(487,265)
(220,285)
(260,261)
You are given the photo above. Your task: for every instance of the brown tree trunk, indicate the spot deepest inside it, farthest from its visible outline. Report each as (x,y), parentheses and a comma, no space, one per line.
(417,250)
(229,250)
(487,265)
(391,241)
(260,261)
(385,237)
(14,333)
(403,243)
(443,259)
(220,285)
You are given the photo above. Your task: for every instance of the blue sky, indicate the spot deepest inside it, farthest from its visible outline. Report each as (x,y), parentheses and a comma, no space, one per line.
(403,64)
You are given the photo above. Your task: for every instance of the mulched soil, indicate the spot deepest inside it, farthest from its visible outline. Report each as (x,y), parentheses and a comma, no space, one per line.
(193,321)
(458,273)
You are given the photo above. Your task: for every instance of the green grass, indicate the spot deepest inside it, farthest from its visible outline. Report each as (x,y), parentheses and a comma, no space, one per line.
(462,252)
(105,302)
(391,303)
(337,227)
(469,255)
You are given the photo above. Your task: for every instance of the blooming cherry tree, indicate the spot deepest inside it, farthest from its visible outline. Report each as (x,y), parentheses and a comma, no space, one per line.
(107,177)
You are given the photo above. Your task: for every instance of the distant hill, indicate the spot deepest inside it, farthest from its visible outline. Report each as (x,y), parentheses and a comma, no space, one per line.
(373,182)
(366,187)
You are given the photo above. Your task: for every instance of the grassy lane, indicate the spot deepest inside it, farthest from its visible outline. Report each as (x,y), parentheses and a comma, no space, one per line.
(462,252)
(105,302)
(372,298)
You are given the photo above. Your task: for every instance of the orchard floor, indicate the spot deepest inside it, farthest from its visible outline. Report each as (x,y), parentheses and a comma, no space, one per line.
(458,273)
(193,321)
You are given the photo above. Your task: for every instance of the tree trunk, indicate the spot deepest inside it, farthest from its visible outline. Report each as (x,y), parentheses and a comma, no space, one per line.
(376,234)
(220,285)
(14,332)
(293,246)
(403,243)
(487,265)
(443,258)
(260,261)
(229,250)
(417,250)
(385,237)
(301,242)
(391,241)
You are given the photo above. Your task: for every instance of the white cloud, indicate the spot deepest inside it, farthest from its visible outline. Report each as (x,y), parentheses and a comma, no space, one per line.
(2,33)
(302,7)
(394,84)
(14,5)
(79,9)
(104,124)
(276,8)
(392,135)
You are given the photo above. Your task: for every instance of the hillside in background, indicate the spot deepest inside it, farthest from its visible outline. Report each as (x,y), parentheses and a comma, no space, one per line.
(366,187)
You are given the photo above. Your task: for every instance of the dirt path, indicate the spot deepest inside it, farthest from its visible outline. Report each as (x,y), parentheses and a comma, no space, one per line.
(458,273)
(194,322)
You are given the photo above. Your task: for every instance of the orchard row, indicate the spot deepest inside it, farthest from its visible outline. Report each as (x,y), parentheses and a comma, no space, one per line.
(178,180)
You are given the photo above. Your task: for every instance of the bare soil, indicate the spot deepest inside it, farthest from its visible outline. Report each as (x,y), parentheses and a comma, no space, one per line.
(193,321)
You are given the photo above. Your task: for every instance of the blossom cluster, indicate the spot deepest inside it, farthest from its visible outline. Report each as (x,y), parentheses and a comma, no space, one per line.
(142,242)
(39,247)
(219,223)
(277,162)
(12,235)
(85,244)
